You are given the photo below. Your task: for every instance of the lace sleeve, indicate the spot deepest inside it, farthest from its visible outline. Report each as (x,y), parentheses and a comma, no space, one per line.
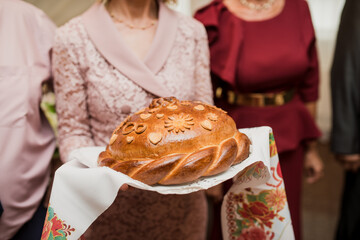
(71,107)
(202,75)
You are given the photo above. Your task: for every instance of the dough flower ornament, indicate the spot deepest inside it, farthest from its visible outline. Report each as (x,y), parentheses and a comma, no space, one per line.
(177,123)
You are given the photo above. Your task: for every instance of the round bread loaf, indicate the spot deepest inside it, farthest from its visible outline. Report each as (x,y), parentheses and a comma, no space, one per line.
(175,142)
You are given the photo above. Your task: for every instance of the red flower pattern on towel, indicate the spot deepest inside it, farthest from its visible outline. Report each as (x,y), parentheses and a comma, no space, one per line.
(253,233)
(251,213)
(55,228)
(258,211)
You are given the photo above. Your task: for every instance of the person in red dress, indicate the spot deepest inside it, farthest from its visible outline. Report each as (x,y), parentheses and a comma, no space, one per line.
(265,72)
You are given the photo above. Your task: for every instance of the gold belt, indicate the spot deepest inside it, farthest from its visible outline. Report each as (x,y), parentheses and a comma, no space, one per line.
(255,99)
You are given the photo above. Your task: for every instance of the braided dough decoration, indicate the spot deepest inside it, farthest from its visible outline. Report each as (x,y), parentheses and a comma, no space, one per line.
(175,142)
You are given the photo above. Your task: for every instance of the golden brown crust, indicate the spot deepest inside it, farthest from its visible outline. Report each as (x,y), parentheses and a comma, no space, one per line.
(175,142)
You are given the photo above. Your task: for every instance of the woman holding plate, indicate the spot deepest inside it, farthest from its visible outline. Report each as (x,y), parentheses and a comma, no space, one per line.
(109,63)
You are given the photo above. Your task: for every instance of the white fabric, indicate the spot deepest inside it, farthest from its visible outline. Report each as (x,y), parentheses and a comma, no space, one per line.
(249,186)
(82,191)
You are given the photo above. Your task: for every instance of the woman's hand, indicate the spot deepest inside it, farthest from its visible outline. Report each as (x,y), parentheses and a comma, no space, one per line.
(351,162)
(314,167)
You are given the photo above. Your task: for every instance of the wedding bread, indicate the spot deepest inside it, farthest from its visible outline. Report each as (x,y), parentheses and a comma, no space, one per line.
(175,142)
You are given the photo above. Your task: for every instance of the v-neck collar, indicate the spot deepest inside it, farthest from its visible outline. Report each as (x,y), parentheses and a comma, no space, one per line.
(109,43)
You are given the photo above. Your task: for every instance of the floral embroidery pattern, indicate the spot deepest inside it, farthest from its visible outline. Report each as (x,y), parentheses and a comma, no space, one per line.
(273,149)
(277,178)
(55,228)
(276,199)
(252,233)
(251,215)
(256,170)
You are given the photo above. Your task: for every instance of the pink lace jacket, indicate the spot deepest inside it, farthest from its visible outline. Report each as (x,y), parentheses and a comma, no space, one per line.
(99,81)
